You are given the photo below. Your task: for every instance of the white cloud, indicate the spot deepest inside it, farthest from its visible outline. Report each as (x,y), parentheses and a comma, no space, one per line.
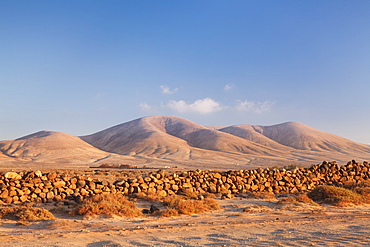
(258,107)
(145,107)
(167,90)
(206,105)
(229,86)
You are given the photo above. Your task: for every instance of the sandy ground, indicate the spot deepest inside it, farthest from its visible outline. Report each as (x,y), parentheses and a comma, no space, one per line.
(242,222)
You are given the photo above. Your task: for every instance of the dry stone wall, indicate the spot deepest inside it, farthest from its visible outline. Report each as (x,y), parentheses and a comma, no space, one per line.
(43,187)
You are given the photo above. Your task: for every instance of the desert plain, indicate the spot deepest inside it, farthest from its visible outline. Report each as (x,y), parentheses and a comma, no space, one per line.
(240,222)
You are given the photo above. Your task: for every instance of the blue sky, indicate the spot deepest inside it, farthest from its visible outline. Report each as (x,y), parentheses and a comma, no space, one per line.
(83,66)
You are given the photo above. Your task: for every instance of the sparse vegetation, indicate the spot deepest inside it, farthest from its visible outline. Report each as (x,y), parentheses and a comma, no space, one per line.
(117,166)
(287,200)
(150,196)
(297,200)
(340,196)
(209,195)
(108,204)
(256,209)
(304,198)
(261,195)
(362,188)
(25,213)
(188,193)
(189,206)
(287,167)
(169,212)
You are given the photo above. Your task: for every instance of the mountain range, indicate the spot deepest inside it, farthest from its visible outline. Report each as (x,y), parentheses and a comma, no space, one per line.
(172,141)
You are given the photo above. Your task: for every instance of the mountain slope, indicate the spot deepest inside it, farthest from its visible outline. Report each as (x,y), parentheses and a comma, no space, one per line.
(167,140)
(253,133)
(50,146)
(139,137)
(303,137)
(170,136)
(297,136)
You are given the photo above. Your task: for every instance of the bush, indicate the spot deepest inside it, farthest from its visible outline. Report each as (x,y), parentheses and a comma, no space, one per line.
(304,198)
(148,196)
(189,206)
(26,213)
(287,200)
(297,200)
(188,193)
(362,188)
(169,212)
(108,204)
(337,195)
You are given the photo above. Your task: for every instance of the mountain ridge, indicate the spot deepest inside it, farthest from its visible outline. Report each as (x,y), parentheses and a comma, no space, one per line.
(169,139)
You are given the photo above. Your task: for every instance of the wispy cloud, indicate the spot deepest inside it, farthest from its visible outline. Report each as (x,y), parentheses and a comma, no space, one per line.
(206,105)
(167,90)
(256,107)
(145,107)
(229,86)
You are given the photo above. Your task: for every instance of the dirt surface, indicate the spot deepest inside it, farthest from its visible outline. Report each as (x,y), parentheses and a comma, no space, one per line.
(241,222)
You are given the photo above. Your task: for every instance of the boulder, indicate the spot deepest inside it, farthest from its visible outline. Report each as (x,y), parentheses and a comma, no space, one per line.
(12,175)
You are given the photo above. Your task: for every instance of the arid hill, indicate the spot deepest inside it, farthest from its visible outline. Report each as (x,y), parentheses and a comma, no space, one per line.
(171,136)
(50,146)
(178,139)
(254,133)
(297,136)
(172,141)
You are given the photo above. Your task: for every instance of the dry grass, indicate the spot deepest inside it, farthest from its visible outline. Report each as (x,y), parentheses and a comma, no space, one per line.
(26,213)
(188,193)
(340,196)
(108,204)
(189,206)
(362,188)
(151,197)
(297,200)
(262,195)
(256,209)
(169,212)
(287,200)
(304,198)
(209,195)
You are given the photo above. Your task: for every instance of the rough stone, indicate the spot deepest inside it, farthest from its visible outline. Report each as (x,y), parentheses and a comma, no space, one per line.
(12,175)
